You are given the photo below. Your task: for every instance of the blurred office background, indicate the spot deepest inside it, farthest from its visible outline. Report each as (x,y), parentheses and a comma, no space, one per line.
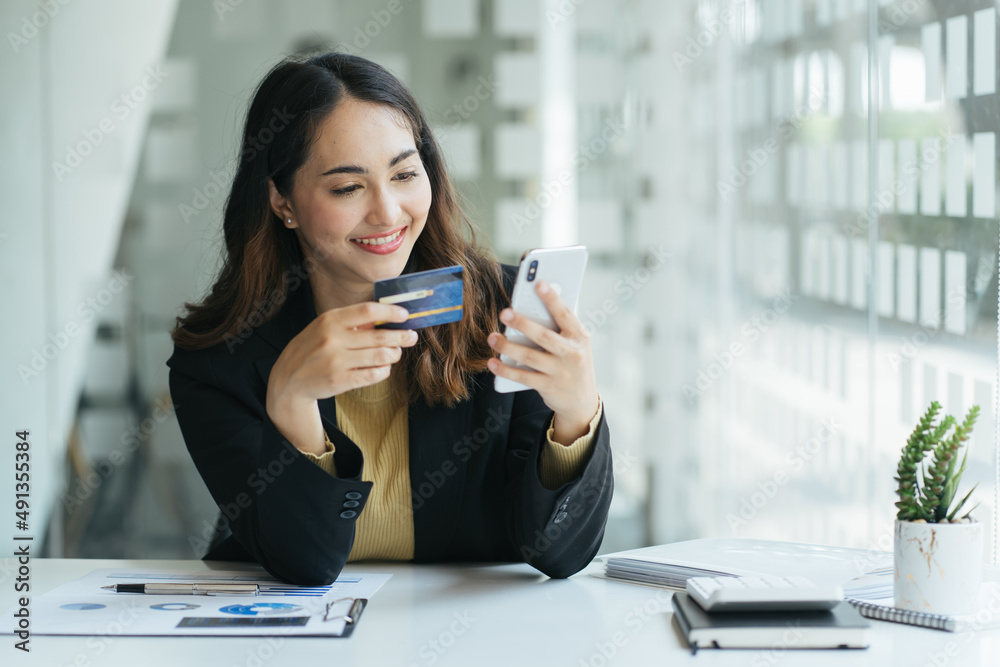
(790,207)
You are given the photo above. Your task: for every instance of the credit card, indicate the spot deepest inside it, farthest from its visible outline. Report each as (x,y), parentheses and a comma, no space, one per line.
(432,297)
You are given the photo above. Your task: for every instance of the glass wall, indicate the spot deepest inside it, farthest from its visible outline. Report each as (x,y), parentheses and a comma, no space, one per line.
(831,202)
(790,207)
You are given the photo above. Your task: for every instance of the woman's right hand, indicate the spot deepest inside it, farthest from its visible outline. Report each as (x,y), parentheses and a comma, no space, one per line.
(338,351)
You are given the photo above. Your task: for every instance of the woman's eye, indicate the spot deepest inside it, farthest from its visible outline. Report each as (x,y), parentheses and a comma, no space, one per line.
(406,176)
(346,191)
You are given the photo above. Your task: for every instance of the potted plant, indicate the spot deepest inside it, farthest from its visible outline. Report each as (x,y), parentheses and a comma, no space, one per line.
(938,550)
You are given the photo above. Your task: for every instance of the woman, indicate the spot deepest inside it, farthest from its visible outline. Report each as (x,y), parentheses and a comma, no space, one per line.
(323,439)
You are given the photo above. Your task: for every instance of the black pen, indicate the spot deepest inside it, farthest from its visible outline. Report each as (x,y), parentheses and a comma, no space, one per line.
(185,589)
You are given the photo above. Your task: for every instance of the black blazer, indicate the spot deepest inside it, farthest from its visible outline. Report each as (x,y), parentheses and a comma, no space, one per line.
(473,469)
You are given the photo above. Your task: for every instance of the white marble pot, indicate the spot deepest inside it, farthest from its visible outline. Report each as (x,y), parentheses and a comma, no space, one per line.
(938,566)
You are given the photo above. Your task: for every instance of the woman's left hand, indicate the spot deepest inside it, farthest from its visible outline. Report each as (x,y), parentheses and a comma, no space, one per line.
(564,367)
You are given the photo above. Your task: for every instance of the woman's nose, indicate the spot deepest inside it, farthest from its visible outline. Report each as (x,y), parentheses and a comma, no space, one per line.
(385,208)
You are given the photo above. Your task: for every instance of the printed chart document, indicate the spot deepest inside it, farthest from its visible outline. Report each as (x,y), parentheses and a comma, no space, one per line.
(81,607)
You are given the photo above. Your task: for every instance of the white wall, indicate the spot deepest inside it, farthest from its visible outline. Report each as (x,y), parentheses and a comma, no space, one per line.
(63,75)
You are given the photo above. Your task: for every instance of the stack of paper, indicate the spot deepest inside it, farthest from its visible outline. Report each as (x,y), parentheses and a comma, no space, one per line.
(671,565)
(874,585)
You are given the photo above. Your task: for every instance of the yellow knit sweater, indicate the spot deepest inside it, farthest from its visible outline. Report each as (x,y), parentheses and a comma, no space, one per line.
(376,419)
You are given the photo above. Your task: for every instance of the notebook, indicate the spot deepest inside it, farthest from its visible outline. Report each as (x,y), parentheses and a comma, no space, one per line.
(842,627)
(987,617)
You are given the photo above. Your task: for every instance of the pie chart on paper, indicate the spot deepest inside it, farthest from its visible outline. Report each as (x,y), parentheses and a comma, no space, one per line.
(261,609)
(174,606)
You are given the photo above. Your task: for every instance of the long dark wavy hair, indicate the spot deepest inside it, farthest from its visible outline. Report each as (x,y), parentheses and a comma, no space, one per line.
(261,254)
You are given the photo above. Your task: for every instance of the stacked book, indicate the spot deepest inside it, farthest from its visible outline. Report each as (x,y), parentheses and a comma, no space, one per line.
(839,627)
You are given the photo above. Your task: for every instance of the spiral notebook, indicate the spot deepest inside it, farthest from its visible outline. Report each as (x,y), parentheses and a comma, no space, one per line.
(987,617)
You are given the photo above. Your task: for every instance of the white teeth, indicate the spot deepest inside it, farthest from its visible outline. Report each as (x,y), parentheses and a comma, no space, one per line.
(379,241)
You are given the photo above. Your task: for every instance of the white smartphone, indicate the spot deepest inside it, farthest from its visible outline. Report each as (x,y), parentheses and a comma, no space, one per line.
(562,268)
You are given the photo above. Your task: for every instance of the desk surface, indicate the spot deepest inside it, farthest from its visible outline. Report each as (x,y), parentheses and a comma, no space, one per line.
(472,615)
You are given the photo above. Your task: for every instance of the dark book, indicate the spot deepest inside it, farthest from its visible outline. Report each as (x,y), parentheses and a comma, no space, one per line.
(841,627)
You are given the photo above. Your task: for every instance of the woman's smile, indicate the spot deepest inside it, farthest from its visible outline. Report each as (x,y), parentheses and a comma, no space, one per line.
(382,243)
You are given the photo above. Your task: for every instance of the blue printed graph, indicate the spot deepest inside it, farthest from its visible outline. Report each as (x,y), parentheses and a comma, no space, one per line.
(261,609)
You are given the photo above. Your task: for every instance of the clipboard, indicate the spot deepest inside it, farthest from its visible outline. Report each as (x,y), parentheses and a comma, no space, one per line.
(351,617)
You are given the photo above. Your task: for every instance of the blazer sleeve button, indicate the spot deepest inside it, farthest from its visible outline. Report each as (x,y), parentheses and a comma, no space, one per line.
(350,504)
(352,495)
(348,514)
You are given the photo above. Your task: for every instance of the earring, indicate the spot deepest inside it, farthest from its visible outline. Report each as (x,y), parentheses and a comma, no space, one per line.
(288,222)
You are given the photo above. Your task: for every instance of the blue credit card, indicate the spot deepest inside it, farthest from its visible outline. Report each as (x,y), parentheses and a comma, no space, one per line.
(432,297)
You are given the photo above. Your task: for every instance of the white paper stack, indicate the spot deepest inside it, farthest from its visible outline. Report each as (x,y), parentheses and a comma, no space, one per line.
(671,565)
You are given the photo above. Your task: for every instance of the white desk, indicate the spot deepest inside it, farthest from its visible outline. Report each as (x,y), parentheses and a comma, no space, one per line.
(471,616)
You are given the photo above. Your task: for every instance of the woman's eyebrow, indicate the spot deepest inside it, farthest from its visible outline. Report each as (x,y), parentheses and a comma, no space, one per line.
(354,169)
(402,156)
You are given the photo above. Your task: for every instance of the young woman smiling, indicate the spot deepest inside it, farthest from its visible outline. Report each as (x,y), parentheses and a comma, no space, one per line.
(323,439)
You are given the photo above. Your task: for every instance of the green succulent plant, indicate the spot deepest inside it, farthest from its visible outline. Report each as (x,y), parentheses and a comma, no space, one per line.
(927,488)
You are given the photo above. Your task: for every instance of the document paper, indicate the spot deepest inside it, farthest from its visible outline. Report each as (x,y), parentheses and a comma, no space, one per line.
(81,607)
